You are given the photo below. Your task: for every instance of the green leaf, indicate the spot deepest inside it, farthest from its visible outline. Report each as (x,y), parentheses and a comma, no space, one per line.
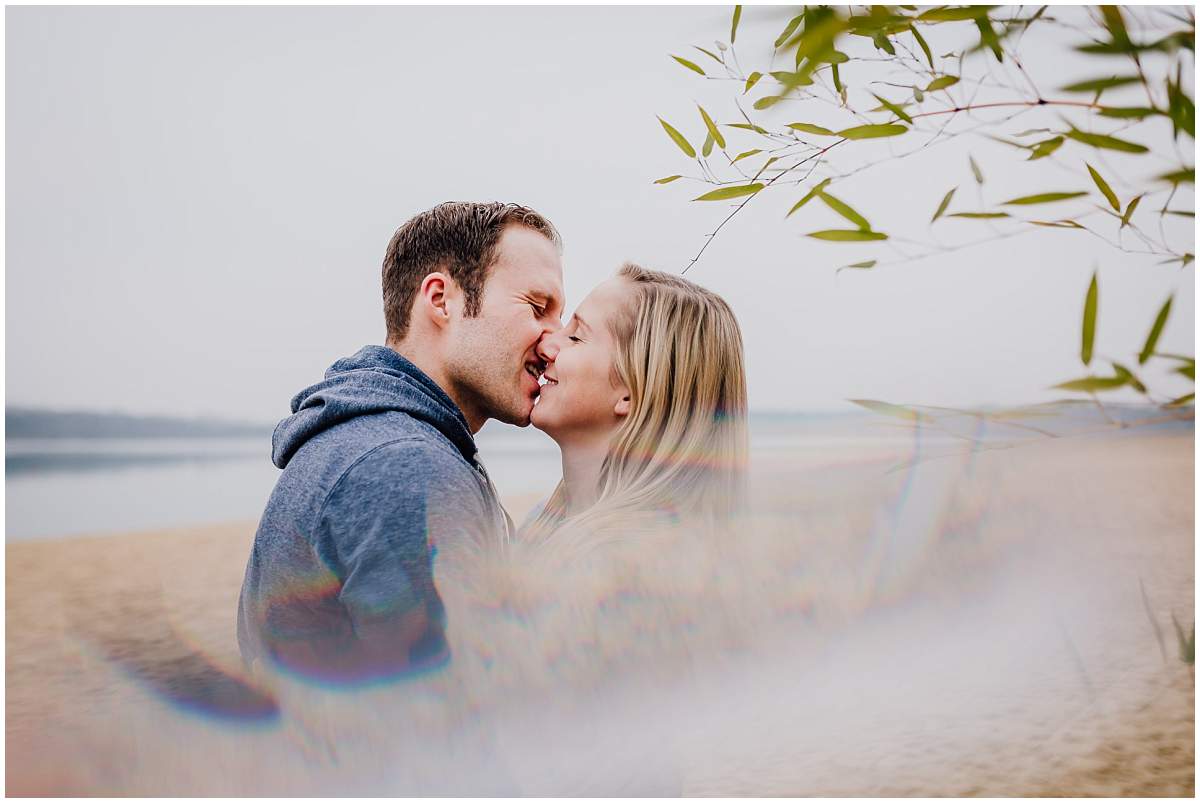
(767,102)
(1182,400)
(809,128)
(752,80)
(1056,224)
(951,14)
(1152,339)
(1128,376)
(737,17)
(1045,148)
(813,193)
(894,109)
(1101,84)
(1092,384)
(1125,218)
(922,44)
(1107,142)
(978,215)
(710,54)
(918,95)
(757,129)
(1105,189)
(885,408)
(873,131)
(943,205)
(712,128)
(789,30)
(883,43)
(690,65)
(1188,370)
(988,38)
(725,193)
(1043,198)
(1127,112)
(1032,131)
(1180,212)
(847,235)
(943,82)
(1184,260)
(668,179)
(791,80)
(746,155)
(678,139)
(870,263)
(837,82)
(1089,321)
(844,209)
(975,170)
(1185,176)
(706,151)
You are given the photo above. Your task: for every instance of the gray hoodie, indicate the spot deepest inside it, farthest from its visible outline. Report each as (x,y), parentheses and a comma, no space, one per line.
(379,467)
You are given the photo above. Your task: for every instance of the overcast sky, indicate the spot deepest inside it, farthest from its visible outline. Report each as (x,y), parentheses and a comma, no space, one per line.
(198,201)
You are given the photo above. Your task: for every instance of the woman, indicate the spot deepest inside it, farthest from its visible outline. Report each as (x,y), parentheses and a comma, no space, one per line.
(645,394)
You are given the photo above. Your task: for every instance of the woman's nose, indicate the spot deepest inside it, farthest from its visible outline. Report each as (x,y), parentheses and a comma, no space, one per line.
(547,347)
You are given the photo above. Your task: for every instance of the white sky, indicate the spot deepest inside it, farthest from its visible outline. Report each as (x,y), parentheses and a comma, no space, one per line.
(198,201)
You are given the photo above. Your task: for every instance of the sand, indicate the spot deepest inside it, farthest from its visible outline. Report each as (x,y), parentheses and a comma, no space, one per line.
(993,626)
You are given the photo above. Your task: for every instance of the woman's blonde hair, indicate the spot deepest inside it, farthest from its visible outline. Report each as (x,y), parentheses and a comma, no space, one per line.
(681,450)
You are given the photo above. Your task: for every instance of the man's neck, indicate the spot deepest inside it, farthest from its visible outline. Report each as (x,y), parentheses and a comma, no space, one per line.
(433,368)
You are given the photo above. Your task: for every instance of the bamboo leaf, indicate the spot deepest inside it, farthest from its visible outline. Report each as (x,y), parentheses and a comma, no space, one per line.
(809,128)
(751,80)
(707,149)
(1182,400)
(870,263)
(1127,112)
(978,215)
(1092,384)
(1180,212)
(1105,189)
(757,129)
(767,102)
(1187,370)
(746,155)
(988,38)
(894,109)
(1185,176)
(943,205)
(1032,131)
(1057,224)
(710,54)
(668,179)
(944,82)
(689,64)
(678,139)
(789,30)
(885,408)
(1125,218)
(1089,321)
(1101,84)
(725,193)
(975,170)
(737,17)
(922,44)
(1045,148)
(712,128)
(918,95)
(813,193)
(873,131)
(844,209)
(1128,376)
(1043,198)
(847,235)
(1160,321)
(837,83)
(951,14)
(1106,142)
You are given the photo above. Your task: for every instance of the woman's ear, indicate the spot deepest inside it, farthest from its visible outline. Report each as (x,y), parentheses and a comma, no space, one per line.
(621,408)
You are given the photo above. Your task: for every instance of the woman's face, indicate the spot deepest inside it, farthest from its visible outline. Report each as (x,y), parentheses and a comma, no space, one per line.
(579,402)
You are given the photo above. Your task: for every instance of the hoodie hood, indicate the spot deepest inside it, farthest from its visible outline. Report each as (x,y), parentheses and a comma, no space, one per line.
(375,380)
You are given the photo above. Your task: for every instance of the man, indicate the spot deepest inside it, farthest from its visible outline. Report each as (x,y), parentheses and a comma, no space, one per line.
(379,460)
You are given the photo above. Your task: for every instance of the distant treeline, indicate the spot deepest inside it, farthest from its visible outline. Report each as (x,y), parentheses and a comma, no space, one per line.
(24,422)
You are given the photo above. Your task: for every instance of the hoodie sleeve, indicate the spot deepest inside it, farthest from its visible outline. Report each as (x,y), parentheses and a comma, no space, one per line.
(379,528)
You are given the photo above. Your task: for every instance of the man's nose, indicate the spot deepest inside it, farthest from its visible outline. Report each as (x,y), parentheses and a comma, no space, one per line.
(548,346)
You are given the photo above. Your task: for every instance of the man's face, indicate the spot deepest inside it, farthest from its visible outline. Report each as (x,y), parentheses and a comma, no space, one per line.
(492,360)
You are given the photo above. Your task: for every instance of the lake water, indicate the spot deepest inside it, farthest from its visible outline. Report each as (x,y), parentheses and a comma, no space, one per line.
(60,487)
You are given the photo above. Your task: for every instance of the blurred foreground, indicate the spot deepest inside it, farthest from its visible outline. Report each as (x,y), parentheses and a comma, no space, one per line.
(918,614)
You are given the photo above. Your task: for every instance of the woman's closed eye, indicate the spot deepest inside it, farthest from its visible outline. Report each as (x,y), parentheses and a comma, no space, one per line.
(574,339)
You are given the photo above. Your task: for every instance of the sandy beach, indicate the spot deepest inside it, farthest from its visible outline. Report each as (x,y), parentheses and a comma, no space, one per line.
(996,624)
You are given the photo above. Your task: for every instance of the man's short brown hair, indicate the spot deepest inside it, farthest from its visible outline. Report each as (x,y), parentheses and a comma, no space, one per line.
(458,238)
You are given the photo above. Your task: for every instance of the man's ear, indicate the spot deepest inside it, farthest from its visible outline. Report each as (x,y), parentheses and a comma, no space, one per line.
(432,296)
(621,408)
